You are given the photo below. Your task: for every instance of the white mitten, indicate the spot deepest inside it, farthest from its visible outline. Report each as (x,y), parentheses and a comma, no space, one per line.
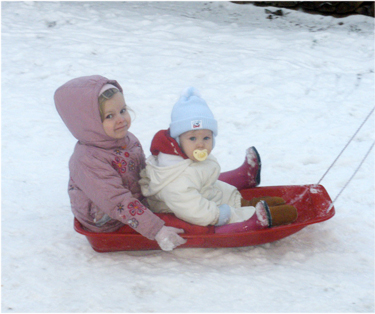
(224,215)
(168,238)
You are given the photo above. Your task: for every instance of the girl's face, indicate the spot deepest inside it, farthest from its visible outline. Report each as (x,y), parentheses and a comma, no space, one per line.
(196,139)
(117,121)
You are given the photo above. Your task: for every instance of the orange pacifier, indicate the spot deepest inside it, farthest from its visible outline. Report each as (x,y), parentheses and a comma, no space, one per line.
(200,155)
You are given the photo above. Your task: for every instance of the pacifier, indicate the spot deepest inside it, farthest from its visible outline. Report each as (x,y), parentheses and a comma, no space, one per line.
(200,155)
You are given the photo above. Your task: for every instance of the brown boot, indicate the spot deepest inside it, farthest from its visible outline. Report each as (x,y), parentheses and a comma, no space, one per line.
(271,201)
(283,214)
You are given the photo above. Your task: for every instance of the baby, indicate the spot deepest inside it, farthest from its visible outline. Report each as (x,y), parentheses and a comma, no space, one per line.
(181,176)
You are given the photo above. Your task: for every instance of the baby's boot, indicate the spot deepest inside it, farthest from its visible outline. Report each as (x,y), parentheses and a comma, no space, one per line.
(247,175)
(283,214)
(260,220)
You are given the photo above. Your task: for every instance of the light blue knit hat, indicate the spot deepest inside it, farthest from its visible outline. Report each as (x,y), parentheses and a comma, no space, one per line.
(191,112)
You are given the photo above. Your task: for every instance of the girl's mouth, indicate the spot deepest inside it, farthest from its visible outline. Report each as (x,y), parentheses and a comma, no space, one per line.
(120,128)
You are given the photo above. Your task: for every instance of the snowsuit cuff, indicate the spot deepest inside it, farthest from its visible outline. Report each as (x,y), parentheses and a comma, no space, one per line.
(224,216)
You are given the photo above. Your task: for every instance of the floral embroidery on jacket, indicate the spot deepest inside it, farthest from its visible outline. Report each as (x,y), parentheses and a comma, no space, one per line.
(118,151)
(123,217)
(119,164)
(133,223)
(126,154)
(120,207)
(136,208)
(131,165)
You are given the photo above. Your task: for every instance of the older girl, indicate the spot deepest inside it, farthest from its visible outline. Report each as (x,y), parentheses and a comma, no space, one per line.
(107,159)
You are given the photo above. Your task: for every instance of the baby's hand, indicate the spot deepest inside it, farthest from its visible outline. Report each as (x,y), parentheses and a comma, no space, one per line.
(200,155)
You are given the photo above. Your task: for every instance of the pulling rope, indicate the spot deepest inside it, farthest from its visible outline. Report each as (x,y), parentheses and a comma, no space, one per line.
(355,172)
(347,145)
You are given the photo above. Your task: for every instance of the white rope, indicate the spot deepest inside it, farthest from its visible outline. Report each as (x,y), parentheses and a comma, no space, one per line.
(355,172)
(346,145)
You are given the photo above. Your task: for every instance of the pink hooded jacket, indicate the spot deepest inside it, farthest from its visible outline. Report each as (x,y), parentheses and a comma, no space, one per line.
(104,172)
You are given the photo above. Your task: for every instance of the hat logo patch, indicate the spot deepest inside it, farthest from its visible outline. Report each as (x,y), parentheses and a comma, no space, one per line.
(196,124)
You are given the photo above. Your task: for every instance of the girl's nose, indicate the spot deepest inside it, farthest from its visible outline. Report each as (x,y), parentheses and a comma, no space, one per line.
(200,144)
(120,119)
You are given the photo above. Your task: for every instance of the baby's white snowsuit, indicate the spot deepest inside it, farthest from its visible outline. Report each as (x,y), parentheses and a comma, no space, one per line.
(191,190)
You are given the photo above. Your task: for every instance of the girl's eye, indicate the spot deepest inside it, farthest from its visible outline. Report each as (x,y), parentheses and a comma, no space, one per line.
(109,116)
(192,138)
(123,111)
(207,138)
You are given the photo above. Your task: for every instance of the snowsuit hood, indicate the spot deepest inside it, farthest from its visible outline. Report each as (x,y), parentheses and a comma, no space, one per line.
(77,103)
(164,143)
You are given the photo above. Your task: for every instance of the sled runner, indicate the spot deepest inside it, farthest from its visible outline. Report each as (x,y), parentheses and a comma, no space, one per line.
(312,203)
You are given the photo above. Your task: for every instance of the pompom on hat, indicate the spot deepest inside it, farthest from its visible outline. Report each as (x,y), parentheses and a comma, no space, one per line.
(191,112)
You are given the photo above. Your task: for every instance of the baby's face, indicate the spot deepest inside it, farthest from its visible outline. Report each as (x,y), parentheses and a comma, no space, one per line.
(196,139)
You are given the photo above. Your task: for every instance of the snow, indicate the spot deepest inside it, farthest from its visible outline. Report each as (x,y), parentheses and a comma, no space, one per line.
(296,87)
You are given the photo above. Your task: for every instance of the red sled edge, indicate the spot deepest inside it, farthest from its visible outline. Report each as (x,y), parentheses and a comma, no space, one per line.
(312,203)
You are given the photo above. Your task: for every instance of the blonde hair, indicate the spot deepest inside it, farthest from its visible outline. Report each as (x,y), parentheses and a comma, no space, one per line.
(108,94)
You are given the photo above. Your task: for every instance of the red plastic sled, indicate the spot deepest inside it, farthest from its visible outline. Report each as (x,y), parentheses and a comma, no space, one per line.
(312,203)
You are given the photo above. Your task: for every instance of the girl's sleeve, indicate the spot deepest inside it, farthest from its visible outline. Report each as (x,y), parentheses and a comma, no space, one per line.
(184,199)
(103,186)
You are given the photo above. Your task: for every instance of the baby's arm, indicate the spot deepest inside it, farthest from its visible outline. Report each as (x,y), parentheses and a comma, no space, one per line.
(232,197)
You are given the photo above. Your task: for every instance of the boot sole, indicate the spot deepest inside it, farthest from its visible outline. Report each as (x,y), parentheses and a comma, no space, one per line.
(268,212)
(257,179)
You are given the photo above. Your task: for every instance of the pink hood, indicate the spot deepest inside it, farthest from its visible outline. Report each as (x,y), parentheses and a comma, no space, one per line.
(77,103)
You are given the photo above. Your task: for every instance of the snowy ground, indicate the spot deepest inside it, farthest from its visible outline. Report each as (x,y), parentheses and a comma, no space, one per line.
(297,87)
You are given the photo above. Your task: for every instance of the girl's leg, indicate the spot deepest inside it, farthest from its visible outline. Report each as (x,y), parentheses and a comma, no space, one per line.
(283,214)
(264,217)
(270,200)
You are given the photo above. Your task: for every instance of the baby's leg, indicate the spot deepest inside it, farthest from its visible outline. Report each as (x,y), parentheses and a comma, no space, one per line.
(247,175)
(260,220)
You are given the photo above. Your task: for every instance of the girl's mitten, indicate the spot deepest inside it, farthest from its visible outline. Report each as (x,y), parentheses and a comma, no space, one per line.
(168,238)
